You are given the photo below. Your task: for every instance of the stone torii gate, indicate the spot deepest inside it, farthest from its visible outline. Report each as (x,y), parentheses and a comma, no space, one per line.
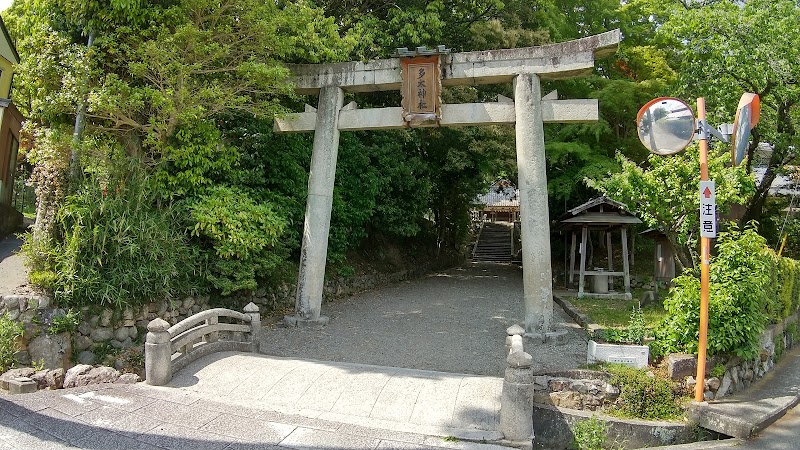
(525,67)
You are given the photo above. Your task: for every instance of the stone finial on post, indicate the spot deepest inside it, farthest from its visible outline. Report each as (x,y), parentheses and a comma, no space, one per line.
(255,325)
(513,330)
(516,402)
(158,353)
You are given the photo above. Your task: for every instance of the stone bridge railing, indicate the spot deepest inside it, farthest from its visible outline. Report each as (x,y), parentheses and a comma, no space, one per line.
(169,349)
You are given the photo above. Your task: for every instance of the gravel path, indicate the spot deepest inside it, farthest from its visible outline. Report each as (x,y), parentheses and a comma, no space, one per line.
(451,321)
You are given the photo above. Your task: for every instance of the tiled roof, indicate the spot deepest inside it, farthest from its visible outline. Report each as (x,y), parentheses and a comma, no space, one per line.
(501,194)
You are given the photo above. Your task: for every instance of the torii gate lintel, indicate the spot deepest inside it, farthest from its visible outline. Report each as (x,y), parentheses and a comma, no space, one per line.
(528,111)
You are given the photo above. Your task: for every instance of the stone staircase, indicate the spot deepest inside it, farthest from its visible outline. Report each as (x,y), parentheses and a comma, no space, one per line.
(494,243)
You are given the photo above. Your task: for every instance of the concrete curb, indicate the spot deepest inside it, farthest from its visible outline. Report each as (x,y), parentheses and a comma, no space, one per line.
(577,315)
(703,445)
(743,427)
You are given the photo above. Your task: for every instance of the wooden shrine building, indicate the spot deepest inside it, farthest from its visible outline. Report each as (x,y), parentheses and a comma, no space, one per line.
(604,216)
(500,203)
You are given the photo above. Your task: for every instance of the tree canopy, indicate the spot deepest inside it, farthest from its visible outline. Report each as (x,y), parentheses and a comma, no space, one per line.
(188,89)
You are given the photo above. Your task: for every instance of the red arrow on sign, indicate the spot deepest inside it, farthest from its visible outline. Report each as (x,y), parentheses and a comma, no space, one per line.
(707,192)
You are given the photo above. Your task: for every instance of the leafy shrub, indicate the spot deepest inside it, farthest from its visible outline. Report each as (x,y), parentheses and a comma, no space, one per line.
(194,160)
(118,247)
(241,239)
(642,395)
(738,306)
(634,333)
(65,323)
(611,335)
(589,434)
(636,330)
(10,330)
(787,283)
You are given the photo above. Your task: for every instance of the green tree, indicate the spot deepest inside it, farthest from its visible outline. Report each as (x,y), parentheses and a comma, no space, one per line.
(721,49)
(663,193)
(161,79)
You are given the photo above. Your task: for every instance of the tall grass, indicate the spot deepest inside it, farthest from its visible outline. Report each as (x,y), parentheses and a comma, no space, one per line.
(117,248)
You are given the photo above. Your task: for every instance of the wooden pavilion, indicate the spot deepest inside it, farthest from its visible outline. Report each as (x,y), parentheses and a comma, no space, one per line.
(605,216)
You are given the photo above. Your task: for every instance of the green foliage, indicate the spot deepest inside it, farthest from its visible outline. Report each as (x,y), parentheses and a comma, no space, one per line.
(787,282)
(157,66)
(718,370)
(116,248)
(663,193)
(379,189)
(571,162)
(376,29)
(741,301)
(243,237)
(105,352)
(616,312)
(636,331)
(65,323)
(10,330)
(779,346)
(642,395)
(194,159)
(589,434)
(791,330)
(720,49)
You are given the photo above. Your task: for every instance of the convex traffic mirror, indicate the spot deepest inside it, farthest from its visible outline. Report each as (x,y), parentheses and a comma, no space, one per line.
(666,125)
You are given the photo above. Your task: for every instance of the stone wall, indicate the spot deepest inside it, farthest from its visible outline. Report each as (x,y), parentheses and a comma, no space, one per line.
(575,389)
(553,430)
(98,329)
(646,282)
(738,374)
(590,390)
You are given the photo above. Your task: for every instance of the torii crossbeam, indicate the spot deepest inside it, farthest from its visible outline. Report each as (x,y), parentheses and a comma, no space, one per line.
(528,111)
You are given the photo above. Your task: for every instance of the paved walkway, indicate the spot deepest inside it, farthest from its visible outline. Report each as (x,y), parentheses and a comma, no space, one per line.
(402,400)
(746,413)
(450,321)
(141,417)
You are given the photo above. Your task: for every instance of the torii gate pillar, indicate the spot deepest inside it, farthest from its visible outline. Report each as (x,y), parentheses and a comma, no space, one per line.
(314,253)
(529,110)
(533,209)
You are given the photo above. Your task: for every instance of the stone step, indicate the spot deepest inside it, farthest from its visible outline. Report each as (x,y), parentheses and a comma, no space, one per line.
(494,244)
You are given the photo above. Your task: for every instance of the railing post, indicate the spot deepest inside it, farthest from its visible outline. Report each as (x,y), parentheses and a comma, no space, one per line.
(158,353)
(255,325)
(516,402)
(212,337)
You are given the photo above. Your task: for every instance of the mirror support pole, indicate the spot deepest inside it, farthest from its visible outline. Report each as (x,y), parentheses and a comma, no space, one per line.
(705,257)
